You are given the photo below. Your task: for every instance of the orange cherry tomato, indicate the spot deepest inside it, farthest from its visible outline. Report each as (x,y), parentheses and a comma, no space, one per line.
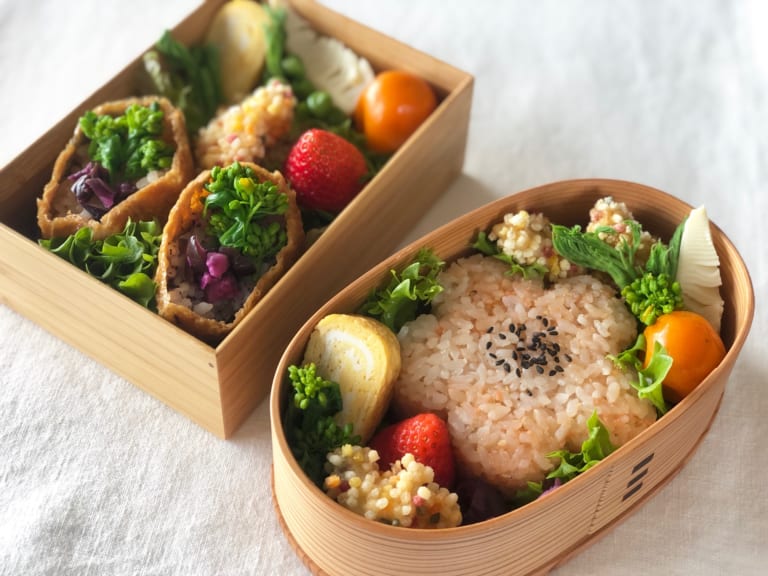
(392,107)
(696,349)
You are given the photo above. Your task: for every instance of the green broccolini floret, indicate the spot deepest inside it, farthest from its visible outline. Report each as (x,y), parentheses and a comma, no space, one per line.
(241,211)
(650,296)
(130,145)
(657,292)
(310,427)
(408,293)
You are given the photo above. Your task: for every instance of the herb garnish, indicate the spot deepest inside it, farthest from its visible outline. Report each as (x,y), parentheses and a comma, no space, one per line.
(408,292)
(126,261)
(241,211)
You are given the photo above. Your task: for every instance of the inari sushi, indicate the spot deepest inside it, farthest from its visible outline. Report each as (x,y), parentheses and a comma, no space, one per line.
(126,159)
(233,233)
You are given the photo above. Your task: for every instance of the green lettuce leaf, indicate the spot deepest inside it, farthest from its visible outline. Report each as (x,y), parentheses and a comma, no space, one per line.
(649,384)
(408,292)
(596,447)
(126,261)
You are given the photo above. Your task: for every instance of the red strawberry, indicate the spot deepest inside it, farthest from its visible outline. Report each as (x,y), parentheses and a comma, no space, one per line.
(426,437)
(325,170)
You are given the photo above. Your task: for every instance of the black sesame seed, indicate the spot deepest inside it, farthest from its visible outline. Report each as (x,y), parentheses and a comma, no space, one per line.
(514,355)
(500,362)
(568,357)
(488,345)
(552,372)
(502,336)
(522,327)
(507,367)
(490,329)
(525,364)
(545,321)
(518,372)
(512,327)
(492,355)
(553,332)
(538,317)
(556,358)
(539,369)
(556,346)
(528,392)
(559,368)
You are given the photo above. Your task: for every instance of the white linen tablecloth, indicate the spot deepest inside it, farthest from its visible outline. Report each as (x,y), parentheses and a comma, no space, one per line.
(98,478)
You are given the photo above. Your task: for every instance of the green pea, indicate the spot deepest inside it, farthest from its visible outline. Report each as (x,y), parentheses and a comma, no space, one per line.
(293,67)
(320,104)
(302,88)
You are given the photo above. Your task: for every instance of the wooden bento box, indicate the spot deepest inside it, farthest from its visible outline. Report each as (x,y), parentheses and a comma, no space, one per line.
(217,387)
(542,534)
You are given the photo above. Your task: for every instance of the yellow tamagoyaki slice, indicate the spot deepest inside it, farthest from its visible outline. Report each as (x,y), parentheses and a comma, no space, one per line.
(362,355)
(237,31)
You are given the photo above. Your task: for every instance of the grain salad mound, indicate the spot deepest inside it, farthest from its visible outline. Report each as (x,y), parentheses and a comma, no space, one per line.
(517,368)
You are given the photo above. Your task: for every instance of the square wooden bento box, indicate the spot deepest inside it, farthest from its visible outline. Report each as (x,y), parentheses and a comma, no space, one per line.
(219,387)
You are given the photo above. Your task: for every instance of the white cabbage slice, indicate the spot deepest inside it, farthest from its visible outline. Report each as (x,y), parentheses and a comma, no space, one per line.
(329,64)
(698,269)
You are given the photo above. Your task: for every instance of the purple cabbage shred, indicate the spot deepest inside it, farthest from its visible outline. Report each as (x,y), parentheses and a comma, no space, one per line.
(217,271)
(216,289)
(196,255)
(93,192)
(479,500)
(241,264)
(218,280)
(555,484)
(216,264)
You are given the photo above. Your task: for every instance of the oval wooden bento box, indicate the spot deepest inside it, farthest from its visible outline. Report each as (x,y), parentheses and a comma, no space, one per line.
(533,539)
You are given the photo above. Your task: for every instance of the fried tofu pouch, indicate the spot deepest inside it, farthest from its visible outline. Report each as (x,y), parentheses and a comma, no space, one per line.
(58,211)
(183,216)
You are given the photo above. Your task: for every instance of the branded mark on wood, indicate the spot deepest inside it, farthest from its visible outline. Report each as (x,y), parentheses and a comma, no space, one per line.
(639,471)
